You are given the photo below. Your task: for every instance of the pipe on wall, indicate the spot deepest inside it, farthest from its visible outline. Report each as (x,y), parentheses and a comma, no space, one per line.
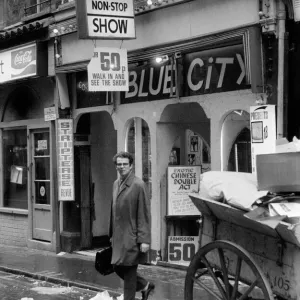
(281,17)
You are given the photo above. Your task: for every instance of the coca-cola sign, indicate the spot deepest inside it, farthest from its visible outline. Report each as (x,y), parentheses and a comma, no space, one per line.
(27,61)
(23,58)
(23,62)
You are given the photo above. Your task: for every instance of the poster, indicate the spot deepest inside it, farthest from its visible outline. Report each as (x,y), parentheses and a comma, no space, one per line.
(181,249)
(182,180)
(263,131)
(108,70)
(194,144)
(16,174)
(296,8)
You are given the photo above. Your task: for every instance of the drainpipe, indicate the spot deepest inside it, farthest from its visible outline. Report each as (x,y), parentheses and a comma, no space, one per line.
(281,17)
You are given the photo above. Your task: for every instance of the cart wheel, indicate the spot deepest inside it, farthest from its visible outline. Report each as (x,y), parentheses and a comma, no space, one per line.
(224,270)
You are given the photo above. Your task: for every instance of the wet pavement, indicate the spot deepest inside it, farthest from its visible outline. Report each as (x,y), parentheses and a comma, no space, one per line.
(18,287)
(78,271)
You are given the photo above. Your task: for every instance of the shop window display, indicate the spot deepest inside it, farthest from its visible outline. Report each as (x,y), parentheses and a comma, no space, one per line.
(240,154)
(197,150)
(236,142)
(138,143)
(15,168)
(189,152)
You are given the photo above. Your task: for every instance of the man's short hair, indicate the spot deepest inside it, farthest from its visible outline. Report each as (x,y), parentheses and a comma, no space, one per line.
(123,154)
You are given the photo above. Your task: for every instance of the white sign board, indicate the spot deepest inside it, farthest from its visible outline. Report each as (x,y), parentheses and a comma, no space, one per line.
(49,114)
(18,63)
(42,145)
(106,19)
(108,70)
(263,131)
(65,148)
(181,249)
(296,7)
(182,180)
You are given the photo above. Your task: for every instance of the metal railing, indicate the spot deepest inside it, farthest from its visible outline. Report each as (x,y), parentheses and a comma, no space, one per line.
(39,7)
(44,6)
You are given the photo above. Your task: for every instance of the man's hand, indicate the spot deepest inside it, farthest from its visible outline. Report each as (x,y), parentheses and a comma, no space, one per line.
(144,247)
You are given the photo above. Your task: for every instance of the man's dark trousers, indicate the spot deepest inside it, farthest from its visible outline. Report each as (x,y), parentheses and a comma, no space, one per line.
(132,280)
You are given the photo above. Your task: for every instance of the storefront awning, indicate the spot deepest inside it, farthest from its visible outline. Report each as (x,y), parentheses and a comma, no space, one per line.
(75,67)
(24,29)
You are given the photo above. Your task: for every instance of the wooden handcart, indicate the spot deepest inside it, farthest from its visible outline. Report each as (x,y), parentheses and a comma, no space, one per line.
(239,258)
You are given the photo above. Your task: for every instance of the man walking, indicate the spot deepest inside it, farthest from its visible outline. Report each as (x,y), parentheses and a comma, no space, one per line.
(130,227)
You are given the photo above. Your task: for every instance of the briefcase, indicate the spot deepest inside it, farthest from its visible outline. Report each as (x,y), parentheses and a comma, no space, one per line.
(102,261)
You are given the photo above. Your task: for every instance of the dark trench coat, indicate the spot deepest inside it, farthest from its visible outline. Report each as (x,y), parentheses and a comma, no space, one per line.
(130,221)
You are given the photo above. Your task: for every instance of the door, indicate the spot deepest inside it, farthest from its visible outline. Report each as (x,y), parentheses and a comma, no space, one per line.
(83,189)
(41,195)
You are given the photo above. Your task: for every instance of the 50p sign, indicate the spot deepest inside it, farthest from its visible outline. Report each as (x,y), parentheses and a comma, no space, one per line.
(108,70)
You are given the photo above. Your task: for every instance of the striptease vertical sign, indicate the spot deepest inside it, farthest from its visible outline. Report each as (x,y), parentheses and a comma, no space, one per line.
(65,160)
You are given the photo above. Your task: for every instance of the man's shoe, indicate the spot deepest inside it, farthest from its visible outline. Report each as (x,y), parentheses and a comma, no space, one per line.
(145,294)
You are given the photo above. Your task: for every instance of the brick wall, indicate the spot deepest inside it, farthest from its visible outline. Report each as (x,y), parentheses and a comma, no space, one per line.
(14,11)
(13,229)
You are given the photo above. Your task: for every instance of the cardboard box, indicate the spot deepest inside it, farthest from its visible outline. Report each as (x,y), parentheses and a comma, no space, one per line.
(278,172)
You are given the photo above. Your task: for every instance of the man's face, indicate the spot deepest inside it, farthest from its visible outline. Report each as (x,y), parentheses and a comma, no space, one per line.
(123,166)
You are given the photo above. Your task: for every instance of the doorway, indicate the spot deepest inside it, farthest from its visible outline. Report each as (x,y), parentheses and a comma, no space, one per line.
(83,195)
(240,154)
(41,185)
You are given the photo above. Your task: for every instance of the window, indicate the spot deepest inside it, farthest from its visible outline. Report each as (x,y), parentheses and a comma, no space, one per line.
(138,143)
(41,166)
(37,6)
(15,168)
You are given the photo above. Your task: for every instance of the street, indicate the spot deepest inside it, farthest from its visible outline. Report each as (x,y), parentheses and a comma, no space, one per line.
(15,287)
(19,287)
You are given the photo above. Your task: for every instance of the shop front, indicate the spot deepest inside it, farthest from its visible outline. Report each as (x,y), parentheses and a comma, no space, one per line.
(188,109)
(195,103)
(26,152)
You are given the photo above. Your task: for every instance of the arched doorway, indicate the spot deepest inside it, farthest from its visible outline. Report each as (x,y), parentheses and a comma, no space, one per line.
(23,104)
(240,154)
(86,220)
(236,142)
(185,131)
(24,144)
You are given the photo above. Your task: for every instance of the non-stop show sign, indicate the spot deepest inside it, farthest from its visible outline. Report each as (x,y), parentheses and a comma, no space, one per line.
(108,70)
(105,19)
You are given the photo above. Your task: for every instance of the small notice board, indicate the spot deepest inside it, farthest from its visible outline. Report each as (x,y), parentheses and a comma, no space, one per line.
(108,70)
(182,180)
(181,249)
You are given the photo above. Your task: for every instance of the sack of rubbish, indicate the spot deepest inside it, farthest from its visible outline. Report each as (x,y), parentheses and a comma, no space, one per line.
(102,296)
(121,297)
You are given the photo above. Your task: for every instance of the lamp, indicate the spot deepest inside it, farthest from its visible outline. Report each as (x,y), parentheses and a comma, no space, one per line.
(56,50)
(177,55)
(162,59)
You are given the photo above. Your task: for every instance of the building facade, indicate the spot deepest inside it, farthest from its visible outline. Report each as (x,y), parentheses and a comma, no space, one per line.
(28,201)
(213,72)
(191,109)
